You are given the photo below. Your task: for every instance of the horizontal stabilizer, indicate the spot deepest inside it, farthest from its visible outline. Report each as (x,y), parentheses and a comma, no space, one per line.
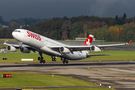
(98,55)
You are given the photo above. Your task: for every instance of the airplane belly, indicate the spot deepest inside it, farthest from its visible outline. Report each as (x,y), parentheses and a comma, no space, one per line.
(76,55)
(47,50)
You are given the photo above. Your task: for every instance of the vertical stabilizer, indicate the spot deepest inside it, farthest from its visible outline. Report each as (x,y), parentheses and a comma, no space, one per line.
(88,40)
(5,41)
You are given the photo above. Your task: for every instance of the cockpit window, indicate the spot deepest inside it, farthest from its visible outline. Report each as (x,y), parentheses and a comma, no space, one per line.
(17,31)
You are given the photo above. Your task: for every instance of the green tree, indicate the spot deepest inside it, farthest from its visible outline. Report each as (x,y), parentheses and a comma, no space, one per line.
(14,25)
(1,20)
(117,18)
(85,30)
(74,30)
(124,16)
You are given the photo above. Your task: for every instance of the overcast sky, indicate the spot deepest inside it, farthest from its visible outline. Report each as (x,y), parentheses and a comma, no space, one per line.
(13,9)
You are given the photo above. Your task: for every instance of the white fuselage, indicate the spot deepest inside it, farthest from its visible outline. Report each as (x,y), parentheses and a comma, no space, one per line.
(42,44)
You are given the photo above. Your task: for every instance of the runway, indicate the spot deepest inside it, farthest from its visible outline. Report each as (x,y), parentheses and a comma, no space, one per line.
(117,74)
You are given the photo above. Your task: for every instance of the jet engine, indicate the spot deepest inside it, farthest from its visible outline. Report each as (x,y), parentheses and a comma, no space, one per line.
(64,50)
(95,49)
(11,49)
(24,50)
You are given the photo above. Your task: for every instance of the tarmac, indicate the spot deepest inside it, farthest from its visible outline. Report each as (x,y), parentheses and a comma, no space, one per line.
(119,75)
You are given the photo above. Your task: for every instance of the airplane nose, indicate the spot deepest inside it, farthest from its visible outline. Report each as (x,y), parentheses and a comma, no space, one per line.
(13,34)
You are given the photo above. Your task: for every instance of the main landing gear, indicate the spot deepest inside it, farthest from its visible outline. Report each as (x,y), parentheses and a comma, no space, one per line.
(41,58)
(65,61)
(54,58)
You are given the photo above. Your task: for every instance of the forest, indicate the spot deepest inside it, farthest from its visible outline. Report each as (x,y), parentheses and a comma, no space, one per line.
(119,28)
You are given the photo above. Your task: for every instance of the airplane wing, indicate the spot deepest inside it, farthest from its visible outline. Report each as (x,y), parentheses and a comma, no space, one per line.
(95,48)
(72,47)
(112,45)
(17,46)
(14,45)
(69,48)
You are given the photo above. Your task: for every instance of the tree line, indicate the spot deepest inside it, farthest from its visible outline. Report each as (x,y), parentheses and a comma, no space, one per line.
(119,28)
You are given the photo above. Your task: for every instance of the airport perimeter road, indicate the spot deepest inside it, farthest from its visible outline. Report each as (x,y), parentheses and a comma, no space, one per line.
(116,74)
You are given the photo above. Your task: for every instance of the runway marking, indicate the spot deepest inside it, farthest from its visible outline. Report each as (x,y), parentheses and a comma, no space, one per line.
(26,59)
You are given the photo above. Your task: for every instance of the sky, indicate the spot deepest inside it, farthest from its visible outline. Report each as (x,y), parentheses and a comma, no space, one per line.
(13,9)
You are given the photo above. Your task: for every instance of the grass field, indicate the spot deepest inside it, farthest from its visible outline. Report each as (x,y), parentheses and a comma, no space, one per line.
(28,79)
(113,56)
(80,89)
(94,88)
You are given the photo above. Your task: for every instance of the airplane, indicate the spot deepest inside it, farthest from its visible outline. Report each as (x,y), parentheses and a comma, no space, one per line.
(35,42)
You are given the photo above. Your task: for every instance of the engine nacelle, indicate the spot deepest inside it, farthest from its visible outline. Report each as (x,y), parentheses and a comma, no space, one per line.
(24,50)
(11,49)
(64,50)
(95,49)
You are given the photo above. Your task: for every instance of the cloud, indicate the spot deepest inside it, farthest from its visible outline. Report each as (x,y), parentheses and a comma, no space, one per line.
(110,8)
(100,6)
(11,9)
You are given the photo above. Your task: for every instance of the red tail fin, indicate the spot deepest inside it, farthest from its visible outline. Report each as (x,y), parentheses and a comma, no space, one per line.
(5,41)
(129,42)
(88,40)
